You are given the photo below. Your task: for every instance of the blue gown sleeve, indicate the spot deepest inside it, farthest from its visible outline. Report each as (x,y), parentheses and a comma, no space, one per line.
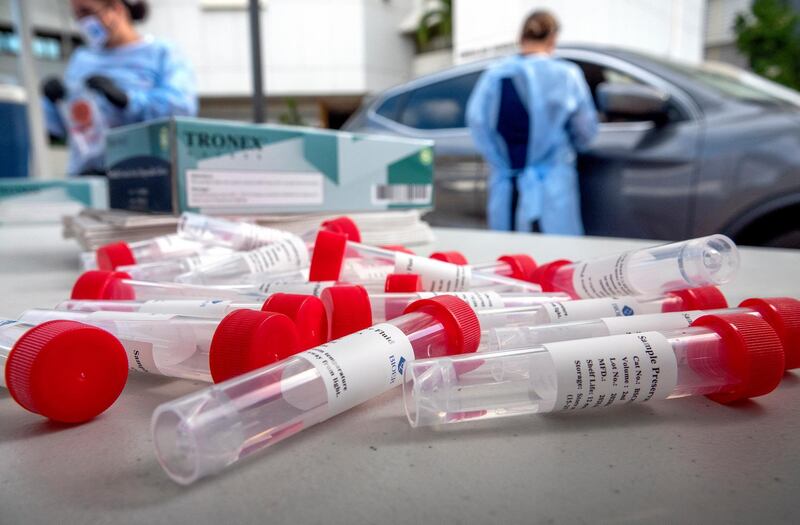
(582,124)
(482,110)
(175,92)
(52,118)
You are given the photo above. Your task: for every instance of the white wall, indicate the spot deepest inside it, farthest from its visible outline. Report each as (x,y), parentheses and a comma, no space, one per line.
(721,16)
(310,47)
(669,28)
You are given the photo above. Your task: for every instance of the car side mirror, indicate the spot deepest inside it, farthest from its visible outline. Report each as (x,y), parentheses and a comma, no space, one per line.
(632,101)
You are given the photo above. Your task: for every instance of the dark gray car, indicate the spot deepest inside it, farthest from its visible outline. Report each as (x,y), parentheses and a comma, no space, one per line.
(682,151)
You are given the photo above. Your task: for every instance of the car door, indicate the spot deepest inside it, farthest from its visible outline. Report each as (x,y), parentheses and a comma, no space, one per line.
(638,176)
(435,108)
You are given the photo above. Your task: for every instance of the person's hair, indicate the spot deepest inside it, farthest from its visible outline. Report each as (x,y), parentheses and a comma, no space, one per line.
(540,25)
(137,9)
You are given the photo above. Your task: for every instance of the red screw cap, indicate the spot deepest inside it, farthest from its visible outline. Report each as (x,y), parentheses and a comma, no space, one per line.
(783,315)
(306,311)
(66,371)
(754,354)
(522,266)
(403,283)
(544,274)
(246,340)
(452,257)
(113,255)
(103,285)
(327,257)
(349,309)
(463,331)
(345,226)
(703,298)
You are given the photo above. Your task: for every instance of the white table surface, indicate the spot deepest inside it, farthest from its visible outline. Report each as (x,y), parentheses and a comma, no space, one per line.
(687,460)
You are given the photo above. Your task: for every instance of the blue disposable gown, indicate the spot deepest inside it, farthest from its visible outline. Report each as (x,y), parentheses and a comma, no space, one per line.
(157,80)
(528,116)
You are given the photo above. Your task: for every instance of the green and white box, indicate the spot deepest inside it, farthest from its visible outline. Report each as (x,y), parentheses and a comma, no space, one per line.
(219,167)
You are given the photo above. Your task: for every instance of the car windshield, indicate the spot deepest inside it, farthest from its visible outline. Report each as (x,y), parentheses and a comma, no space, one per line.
(734,82)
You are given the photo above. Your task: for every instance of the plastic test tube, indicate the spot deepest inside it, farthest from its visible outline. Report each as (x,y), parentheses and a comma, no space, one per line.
(437,276)
(184,347)
(706,261)
(111,256)
(727,358)
(245,236)
(103,285)
(63,370)
(517,266)
(782,313)
(169,269)
(204,432)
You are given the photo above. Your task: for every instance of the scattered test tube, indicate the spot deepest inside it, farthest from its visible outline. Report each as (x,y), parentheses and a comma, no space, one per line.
(206,431)
(517,266)
(63,370)
(111,256)
(726,358)
(168,269)
(782,313)
(437,276)
(705,261)
(185,347)
(105,285)
(246,236)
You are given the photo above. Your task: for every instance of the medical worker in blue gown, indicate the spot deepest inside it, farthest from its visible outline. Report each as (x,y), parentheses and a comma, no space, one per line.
(528,115)
(132,78)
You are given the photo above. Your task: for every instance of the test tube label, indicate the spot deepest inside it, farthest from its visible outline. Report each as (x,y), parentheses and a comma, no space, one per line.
(366,272)
(251,236)
(640,323)
(631,368)
(605,277)
(437,276)
(362,365)
(140,356)
(587,309)
(284,255)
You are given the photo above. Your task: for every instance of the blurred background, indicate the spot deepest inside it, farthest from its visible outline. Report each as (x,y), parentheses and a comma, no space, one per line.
(706,142)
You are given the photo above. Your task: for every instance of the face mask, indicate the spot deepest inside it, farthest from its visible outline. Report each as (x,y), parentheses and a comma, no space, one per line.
(94,32)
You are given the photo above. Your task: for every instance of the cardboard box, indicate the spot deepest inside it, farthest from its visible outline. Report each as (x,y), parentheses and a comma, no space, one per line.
(219,167)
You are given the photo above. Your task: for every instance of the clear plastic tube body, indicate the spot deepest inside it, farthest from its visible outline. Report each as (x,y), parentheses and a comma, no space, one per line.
(496,267)
(128,289)
(391,305)
(239,236)
(204,432)
(164,247)
(161,344)
(209,309)
(88,261)
(520,337)
(169,269)
(288,254)
(10,332)
(691,362)
(705,261)
(440,276)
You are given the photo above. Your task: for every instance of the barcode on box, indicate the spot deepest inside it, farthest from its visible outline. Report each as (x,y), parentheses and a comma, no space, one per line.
(402,193)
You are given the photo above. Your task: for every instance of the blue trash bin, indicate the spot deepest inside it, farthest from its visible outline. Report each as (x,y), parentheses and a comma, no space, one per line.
(14,143)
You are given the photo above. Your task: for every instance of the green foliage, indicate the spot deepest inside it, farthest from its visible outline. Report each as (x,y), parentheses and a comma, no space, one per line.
(435,22)
(769,35)
(291,116)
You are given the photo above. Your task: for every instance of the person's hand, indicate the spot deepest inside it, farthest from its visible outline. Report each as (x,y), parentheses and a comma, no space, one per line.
(106,87)
(53,90)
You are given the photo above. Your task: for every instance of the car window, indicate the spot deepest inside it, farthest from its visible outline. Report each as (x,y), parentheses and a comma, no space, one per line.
(441,105)
(391,107)
(597,73)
